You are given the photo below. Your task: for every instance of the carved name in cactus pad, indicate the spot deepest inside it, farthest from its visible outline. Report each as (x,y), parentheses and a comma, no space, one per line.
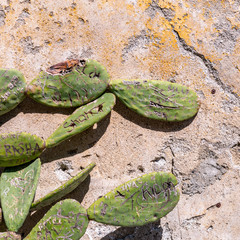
(18,186)
(19,148)
(12,88)
(159,100)
(84,83)
(83,118)
(65,220)
(9,236)
(137,202)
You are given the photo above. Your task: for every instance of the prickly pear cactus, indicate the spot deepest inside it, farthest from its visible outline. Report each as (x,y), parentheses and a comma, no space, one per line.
(83,118)
(12,88)
(18,187)
(137,202)
(65,220)
(9,236)
(82,84)
(19,148)
(62,191)
(159,100)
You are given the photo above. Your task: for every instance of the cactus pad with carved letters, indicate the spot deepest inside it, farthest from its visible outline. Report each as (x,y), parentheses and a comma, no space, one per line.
(9,236)
(83,118)
(19,148)
(82,84)
(18,187)
(12,88)
(159,100)
(66,188)
(65,220)
(137,202)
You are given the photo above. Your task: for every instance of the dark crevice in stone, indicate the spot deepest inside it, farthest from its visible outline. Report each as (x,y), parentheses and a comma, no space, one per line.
(2,16)
(209,65)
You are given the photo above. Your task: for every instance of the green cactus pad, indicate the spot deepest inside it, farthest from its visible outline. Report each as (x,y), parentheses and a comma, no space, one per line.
(159,100)
(19,148)
(12,88)
(137,202)
(62,191)
(83,118)
(18,187)
(9,236)
(83,84)
(65,220)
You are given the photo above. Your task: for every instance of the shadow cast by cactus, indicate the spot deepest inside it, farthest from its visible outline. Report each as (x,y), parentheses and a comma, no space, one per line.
(32,219)
(152,231)
(152,124)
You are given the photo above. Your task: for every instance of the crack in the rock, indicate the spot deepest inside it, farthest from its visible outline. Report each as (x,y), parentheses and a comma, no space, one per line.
(208,64)
(197,217)
(212,70)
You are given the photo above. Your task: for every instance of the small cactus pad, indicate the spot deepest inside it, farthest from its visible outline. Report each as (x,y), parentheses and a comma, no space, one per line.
(18,187)
(62,191)
(81,84)
(19,148)
(137,202)
(159,100)
(83,118)
(65,220)
(12,88)
(9,236)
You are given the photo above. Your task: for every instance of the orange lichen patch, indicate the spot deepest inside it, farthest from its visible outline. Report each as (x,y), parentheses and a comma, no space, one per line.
(144,4)
(209,31)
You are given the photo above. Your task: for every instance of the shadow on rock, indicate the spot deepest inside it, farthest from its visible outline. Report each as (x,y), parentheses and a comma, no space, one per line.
(78,143)
(151,231)
(33,218)
(152,124)
(30,106)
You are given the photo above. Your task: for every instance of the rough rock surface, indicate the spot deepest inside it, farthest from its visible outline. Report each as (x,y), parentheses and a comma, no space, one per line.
(195,43)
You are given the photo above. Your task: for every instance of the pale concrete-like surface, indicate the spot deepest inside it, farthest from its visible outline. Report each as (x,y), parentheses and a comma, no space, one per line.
(195,43)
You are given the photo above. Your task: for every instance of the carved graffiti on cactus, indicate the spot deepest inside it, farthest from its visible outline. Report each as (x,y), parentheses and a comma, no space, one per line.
(12,89)
(18,148)
(18,186)
(155,99)
(69,84)
(65,220)
(21,148)
(137,202)
(83,117)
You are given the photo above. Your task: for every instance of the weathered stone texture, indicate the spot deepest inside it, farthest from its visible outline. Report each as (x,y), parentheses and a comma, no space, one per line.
(195,43)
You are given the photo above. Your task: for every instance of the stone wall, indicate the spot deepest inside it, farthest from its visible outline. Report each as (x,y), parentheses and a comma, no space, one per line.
(195,43)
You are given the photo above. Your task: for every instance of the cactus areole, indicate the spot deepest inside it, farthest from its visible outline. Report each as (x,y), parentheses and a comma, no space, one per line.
(158,100)
(71,87)
(137,202)
(12,88)
(19,148)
